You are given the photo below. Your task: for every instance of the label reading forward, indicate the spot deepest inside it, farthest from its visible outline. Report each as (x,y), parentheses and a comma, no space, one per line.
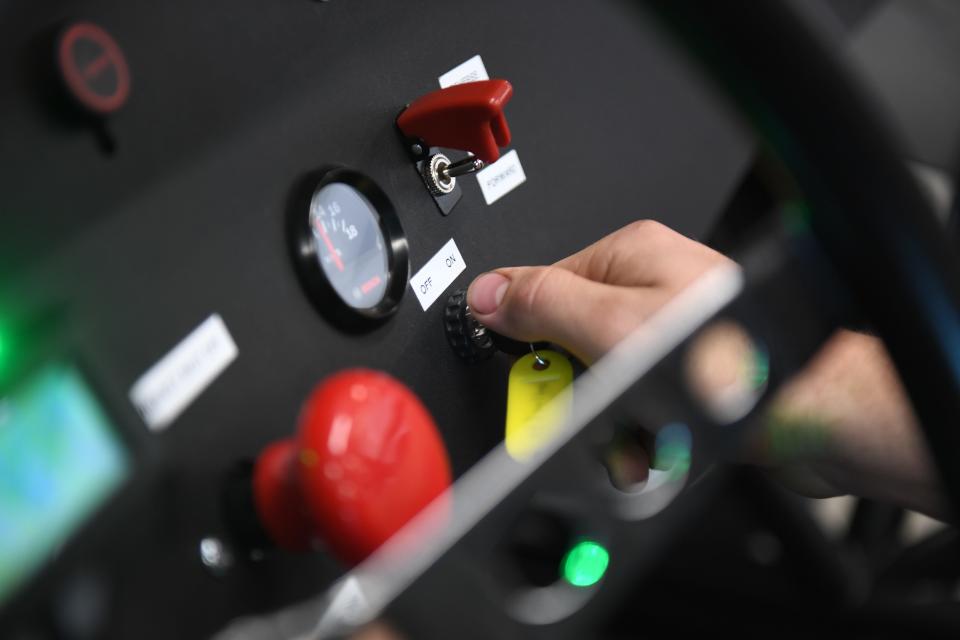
(501,177)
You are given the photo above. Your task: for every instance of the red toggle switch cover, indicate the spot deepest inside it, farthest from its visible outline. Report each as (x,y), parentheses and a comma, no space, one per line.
(465,116)
(366,459)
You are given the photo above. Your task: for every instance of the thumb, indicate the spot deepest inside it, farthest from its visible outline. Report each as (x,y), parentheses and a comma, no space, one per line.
(556,305)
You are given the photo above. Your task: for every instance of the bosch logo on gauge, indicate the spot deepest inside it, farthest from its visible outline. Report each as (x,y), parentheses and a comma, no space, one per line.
(348,247)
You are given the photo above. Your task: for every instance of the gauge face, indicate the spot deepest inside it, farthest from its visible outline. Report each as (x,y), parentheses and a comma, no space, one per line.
(348,247)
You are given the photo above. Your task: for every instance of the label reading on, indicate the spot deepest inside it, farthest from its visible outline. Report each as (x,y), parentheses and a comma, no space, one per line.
(438,274)
(470,71)
(168,387)
(501,177)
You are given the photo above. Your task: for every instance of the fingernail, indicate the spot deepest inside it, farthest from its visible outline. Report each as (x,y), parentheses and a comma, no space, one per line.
(486,292)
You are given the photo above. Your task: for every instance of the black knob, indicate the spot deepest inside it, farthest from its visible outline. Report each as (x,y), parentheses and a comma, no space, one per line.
(472,341)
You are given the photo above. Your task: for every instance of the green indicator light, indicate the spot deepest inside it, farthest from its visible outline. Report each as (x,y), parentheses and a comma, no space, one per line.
(672,450)
(759,369)
(585,563)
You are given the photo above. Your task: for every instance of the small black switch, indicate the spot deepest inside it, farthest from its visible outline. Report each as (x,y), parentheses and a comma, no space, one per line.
(472,341)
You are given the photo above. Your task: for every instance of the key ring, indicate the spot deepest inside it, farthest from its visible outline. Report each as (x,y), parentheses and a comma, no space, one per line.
(540,363)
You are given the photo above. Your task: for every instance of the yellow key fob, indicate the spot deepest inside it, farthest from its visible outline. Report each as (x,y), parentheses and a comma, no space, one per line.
(530,387)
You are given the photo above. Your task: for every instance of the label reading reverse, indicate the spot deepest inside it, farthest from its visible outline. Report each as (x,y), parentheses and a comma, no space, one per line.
(470,71)
(501,177)
(168,387)
(438,274)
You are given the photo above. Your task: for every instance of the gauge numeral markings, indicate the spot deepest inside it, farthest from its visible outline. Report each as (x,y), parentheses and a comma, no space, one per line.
(333,251)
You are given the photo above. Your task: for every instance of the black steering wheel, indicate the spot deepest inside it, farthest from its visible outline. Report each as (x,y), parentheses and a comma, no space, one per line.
(867,211)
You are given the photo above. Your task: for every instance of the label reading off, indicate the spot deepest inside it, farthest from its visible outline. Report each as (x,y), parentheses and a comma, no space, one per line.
(438,274)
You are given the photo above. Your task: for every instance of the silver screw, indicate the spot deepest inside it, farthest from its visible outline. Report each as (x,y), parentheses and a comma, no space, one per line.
(437,182)
(215,555)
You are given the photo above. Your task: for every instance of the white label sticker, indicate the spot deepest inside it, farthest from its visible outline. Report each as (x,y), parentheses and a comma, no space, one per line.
(470,71)
(501,177)
(438,274)
(169,386)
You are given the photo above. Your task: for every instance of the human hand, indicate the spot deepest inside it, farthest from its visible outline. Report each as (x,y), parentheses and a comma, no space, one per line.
(591,300)
(844,425)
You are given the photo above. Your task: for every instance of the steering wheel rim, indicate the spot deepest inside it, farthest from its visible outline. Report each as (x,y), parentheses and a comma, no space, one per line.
(884,241)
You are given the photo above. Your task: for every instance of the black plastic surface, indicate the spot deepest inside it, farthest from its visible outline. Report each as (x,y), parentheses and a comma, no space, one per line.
(230,103)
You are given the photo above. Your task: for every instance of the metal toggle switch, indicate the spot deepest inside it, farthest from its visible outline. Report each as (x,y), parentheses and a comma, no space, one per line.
(467,117)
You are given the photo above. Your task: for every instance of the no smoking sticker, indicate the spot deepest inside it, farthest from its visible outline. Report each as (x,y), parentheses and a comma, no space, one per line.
(93,68)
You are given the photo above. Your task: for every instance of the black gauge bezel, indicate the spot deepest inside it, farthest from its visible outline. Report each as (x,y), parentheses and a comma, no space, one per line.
(304,250)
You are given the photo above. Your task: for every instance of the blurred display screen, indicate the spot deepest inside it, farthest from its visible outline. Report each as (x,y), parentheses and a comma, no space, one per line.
(59,460)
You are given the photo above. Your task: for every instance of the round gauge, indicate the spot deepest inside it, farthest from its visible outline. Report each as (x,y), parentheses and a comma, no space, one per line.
(348,247)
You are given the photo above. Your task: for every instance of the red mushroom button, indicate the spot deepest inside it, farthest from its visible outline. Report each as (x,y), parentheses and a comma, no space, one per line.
(367,457)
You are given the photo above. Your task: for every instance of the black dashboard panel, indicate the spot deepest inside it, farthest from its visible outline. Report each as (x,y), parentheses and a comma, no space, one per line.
(140,228)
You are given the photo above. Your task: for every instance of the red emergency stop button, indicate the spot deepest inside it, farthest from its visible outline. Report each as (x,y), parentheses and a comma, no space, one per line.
(93,68)
(465,116)
(366,459)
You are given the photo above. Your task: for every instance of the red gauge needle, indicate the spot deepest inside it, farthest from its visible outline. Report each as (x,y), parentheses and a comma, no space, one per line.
(368,286)
(333,250)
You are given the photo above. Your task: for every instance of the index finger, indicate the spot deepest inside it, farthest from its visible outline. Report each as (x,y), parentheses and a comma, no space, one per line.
(642,254)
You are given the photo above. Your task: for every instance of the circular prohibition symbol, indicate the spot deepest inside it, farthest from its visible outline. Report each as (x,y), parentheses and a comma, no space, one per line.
(93,68)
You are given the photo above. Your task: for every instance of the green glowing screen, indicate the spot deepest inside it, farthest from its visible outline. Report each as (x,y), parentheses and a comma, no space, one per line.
(4,351)
(59,460)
